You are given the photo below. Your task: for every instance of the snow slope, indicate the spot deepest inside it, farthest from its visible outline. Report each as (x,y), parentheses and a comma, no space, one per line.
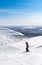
(13,53)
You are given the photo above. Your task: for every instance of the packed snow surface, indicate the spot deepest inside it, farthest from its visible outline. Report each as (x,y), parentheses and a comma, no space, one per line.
(13,52)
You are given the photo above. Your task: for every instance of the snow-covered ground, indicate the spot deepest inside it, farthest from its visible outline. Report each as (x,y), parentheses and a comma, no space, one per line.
(13,53)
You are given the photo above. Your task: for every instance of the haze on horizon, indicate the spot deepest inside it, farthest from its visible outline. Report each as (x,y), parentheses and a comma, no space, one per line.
(21,12)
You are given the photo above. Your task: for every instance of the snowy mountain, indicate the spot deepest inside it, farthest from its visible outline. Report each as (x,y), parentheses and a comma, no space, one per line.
(12,48)
(9,31)
(29,31)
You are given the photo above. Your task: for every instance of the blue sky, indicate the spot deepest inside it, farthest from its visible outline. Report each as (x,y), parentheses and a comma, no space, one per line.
(20,12)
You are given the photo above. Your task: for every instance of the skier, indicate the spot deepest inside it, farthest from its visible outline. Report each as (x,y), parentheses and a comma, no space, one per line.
(27,46)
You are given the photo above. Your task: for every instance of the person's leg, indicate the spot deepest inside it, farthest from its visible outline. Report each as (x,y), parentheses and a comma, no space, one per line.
(27,50)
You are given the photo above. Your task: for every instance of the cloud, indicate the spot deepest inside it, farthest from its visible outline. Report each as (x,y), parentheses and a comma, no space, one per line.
(19,12)
(27,18)
(12,11)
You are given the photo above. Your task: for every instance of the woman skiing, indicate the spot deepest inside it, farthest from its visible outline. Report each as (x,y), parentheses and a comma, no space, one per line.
(27,46)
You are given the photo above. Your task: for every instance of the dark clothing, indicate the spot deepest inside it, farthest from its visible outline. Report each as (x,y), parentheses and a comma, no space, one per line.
(27,50)
(27,46)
